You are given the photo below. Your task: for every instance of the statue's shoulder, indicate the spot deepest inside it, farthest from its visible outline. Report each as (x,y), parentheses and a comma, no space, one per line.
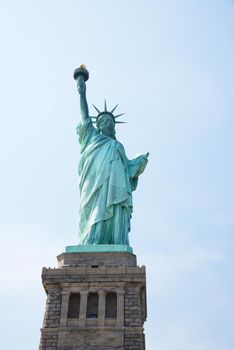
(120,146)
(87,133)
(84,127)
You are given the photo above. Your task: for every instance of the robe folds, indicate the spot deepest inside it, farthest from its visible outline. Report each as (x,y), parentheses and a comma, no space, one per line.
(107,179)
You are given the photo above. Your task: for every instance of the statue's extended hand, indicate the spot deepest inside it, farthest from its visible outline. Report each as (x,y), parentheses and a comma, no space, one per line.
(81,86)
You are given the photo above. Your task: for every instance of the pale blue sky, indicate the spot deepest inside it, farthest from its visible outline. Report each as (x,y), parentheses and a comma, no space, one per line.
(170,66)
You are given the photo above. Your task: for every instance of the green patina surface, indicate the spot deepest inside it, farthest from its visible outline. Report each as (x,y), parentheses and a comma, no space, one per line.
(105,248)
(107,180)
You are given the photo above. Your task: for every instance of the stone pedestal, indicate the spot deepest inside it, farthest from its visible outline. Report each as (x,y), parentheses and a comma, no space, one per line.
(95,301)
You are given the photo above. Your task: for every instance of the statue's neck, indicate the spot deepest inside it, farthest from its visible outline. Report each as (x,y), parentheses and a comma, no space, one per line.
(111,134)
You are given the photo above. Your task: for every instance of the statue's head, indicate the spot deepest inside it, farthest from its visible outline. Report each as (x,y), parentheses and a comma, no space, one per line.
(105,121)
(106,125)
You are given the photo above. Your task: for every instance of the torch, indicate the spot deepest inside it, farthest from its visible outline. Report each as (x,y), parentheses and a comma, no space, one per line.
(81,72)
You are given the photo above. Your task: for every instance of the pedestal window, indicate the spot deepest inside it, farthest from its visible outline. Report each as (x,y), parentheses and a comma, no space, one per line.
(74,306)
(92,306)
(111,305)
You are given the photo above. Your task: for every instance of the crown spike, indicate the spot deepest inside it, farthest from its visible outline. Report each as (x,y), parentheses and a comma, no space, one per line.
(119,115)
(100,114)
(96,109)
(114,108)
(105,106)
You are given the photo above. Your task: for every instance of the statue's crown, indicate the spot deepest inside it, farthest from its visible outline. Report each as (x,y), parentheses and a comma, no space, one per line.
(106,112)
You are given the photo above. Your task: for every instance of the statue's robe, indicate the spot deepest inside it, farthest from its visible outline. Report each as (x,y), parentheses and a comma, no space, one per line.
(107,179)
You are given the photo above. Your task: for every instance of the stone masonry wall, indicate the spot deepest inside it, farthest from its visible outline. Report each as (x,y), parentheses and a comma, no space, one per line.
(53,308)
(134,341)
(49,340)
(133,307)
(134,311)
(49,336)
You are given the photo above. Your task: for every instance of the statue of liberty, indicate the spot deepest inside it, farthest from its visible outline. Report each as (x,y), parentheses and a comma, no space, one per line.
(107,176)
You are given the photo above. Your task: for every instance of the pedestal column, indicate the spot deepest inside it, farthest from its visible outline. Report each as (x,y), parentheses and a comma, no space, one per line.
(101,307)
(64,307)
(83,307)
(120,307)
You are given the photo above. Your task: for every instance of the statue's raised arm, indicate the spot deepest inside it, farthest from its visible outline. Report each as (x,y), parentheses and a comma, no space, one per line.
(81,75)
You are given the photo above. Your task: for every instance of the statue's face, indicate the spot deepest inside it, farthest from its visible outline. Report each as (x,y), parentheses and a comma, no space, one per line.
(106,125)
